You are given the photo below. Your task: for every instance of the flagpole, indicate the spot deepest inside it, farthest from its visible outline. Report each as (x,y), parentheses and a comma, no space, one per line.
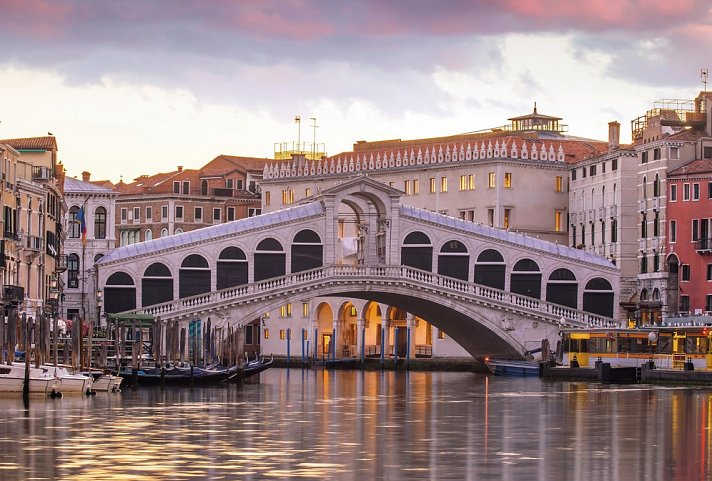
(83,270)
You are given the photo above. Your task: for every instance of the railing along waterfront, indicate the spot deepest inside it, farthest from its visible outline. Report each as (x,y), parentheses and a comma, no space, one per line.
(324,277)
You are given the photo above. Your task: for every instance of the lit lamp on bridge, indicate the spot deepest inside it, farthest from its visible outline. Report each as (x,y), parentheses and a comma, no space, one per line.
(99,304)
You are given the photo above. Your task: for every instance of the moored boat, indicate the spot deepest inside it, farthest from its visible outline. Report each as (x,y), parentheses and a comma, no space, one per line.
(107,382)
(72,383)
(511,367)
(12,379)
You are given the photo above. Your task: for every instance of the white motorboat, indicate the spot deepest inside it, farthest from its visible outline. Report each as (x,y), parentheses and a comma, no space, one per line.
(107,382)
(71,383)
(12,379)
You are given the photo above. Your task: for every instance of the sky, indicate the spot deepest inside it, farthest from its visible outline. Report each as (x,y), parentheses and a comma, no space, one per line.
(136,87)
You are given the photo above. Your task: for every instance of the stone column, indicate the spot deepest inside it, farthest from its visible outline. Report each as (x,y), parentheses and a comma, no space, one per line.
(386,324)
(336,338)
(360,325)
(314,336)
(410,325)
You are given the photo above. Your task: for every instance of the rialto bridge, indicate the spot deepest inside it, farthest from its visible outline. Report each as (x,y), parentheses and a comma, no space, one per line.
(492,291)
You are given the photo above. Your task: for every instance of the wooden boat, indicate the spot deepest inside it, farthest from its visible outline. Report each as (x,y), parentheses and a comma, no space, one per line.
(12,380)
(511,367)
(175,375)
(256,366)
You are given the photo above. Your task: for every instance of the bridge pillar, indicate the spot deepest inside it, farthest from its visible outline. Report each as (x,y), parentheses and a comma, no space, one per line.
(386,326)
(410,326)
(313,335)
(360,325)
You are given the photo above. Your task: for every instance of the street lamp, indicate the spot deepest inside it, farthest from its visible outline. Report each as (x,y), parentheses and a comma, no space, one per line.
(54,302)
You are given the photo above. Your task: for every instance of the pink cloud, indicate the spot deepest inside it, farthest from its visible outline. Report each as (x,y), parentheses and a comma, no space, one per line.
(44,19)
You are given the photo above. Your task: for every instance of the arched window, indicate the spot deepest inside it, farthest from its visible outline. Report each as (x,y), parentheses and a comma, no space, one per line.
(270,259)
(526,279)
(645,187)
(454,260)
(598,297)
(100,223)
(73,229)
(98,257)
(307,251)
(656,186)
(204,187)
(232,268)
(149,234)
(178,231)
(562,288)
(73,271)
(194,276)
(164,232)
(119,293)
(489,269)
(156,285)
(417,251)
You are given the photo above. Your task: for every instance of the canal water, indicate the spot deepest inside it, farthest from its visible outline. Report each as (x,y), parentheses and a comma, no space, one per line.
(348,425)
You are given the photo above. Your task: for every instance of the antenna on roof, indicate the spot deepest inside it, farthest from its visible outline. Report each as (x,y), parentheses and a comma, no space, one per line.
(535,106)
(703,75)
(313,119)
(298,120)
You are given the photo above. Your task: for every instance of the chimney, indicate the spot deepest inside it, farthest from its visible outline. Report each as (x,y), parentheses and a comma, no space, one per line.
(180,168)
(85,176)
(614,135)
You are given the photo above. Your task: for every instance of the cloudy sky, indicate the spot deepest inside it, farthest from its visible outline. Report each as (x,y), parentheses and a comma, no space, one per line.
(142,86)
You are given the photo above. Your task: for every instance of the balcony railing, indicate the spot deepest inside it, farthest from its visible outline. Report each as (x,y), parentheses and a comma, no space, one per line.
(613,211)
(33,243)
(13,294)
(41,173)
(60,264)
(703,246)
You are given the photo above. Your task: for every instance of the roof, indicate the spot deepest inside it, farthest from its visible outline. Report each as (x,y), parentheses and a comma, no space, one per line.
(699,166)
(32,143)
(686,134)
(72,185)
(504,235)
(224,164)
(213,232)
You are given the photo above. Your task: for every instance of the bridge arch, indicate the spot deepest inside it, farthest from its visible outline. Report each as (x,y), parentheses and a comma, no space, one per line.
(156,284)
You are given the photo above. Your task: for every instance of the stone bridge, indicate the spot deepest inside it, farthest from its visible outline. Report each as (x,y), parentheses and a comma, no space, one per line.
(494,292)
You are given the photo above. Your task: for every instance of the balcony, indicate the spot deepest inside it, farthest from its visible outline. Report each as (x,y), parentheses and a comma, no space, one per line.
(13,294)
(643,244)
(656,203)
(612,249)
(613,211)
(601,213)
(703,246)
(590,215)
(61,263)
(656,243)
(224,192)
(642,205)
(41,173)
(32,243)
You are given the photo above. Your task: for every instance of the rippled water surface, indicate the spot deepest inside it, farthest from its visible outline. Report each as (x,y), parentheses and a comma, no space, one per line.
(347,425)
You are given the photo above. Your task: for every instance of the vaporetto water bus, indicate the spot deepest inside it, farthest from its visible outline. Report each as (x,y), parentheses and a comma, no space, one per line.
(668,346)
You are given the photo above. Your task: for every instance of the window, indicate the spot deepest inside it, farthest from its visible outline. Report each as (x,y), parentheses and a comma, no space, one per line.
(573,174)
(267,198)
(186,187)
(441,334)
(198,214)
(230,213)
(282,334)
(673,231)
(656,262)
(148,234)
(592,170)
(73,271)
(443,184)
(685,191)
(240,184)
(614,230)
(432,185)
(124,216)
(251,212)
(644,157)
(707,152)
(685,272)
(406,187)
(228,183)
(709,190)
(176,187)
(507,180)
(644,227)
(287,197)
(593,234)
(266,332)
(164,213)
(463,182)
(708,303)
(392,184)
(559,184)
(507,215)
(643,264)
(695,191)
(674,153)
(217,214)
(614,164)
(695,230)
(685,303)
(491,180)
(673,193)
(149,214)
(136,214)
(305,309)
(583,235)
(603,167)
(416,187)
(557,221)
(204,187)
(656,186)
(100,223)
(307,192)
(490,217)
(164,232)
(709,275)
(656,225)
(179,212)
(583,172)
(656,153)
(285,310)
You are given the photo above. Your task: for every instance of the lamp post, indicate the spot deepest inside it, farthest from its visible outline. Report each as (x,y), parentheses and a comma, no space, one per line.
(99,303)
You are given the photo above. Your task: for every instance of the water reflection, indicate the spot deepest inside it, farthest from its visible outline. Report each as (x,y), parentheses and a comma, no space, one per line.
(364,425)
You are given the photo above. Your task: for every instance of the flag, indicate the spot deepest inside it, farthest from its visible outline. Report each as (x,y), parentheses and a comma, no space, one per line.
(81,217)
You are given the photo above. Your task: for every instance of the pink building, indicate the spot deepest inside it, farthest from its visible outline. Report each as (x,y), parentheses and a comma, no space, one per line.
(689,229)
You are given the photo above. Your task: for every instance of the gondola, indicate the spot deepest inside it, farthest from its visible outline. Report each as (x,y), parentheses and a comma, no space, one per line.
(250,368)
(175,375)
